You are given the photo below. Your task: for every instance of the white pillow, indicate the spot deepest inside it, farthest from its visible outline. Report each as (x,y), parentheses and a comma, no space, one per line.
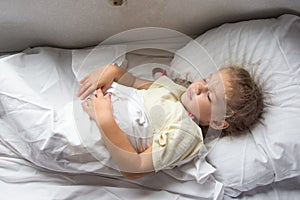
(270,50)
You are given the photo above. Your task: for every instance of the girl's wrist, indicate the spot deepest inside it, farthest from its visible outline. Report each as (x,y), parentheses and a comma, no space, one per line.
(122,76)
(116,71)
(105,121)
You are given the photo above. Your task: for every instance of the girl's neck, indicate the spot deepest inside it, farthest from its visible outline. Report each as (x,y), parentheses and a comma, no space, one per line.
(192,116)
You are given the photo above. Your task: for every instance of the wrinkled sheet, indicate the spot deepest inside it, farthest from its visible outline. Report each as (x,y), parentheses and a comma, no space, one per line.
(40,152)
(63,168)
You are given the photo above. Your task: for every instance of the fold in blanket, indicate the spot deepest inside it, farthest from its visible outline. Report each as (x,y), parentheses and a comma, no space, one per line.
(39,125)
(46,136)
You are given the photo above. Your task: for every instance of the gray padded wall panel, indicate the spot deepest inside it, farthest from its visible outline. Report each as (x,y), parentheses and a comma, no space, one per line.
(82,23)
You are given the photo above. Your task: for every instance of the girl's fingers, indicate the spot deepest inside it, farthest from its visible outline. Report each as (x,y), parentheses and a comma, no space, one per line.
(82,89)
(91,97)
(108,95)
(86,93)
(105,88)
(99,93)
(84,106)
(83,80)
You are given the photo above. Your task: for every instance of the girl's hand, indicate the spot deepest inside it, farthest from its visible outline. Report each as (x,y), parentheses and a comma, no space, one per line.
(100,78)
(98,107)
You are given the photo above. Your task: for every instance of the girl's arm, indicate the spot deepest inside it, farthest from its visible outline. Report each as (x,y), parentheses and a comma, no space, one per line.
(125,78)
(131,163)
(103,77)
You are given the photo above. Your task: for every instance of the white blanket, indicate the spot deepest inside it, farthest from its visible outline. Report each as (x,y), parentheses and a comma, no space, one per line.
(38,137)
(43,134)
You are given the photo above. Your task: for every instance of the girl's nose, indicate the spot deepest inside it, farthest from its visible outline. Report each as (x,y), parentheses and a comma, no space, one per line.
(200,88)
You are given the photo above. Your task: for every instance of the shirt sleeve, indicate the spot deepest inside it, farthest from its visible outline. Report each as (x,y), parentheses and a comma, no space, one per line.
(166,82)
(174,144)
(175,137)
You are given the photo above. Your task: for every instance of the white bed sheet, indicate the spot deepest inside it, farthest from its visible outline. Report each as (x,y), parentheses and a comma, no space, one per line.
(45,76)
(21,179)
(288,189)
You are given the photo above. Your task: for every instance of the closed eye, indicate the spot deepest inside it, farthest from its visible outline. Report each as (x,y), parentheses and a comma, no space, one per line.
(208,97)
(208,93)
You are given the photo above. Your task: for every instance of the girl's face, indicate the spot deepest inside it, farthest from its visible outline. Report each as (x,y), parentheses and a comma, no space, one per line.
(205,98)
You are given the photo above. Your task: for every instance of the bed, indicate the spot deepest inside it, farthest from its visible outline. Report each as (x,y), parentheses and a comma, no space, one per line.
(40,69)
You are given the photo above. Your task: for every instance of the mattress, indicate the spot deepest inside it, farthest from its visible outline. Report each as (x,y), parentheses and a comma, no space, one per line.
(58,166)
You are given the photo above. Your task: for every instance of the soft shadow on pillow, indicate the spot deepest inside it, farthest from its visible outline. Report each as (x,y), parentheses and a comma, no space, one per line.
(270,50)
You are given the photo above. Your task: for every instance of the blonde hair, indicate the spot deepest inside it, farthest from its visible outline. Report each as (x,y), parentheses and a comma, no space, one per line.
(244,101)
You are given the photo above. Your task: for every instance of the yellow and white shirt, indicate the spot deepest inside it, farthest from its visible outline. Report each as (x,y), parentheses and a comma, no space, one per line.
(176,137)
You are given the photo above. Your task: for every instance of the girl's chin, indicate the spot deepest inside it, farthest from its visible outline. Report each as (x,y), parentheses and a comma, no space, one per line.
(184,99)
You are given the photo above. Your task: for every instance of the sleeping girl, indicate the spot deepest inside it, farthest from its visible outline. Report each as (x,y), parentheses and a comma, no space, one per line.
(148,126)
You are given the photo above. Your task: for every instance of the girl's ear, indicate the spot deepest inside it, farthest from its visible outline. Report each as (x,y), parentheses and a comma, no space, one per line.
(219,125)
